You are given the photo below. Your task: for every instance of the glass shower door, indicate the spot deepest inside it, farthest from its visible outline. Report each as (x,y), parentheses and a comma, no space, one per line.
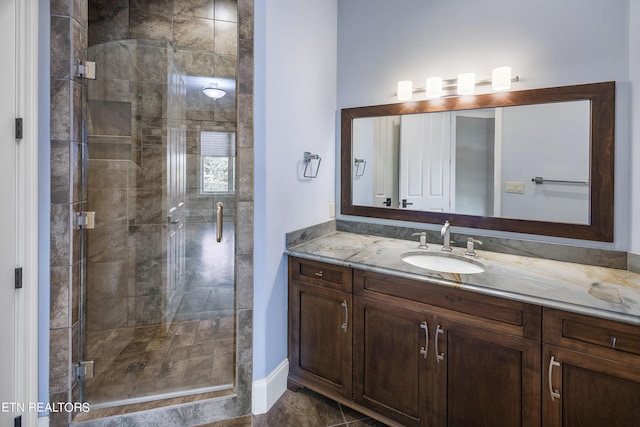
(159,291)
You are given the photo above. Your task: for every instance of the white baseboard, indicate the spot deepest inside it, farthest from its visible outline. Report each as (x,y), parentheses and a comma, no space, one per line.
(267,391)
(43,421)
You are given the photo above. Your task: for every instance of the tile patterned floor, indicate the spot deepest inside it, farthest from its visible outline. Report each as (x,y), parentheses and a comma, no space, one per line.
(305,408)
(194,350)
(139,361)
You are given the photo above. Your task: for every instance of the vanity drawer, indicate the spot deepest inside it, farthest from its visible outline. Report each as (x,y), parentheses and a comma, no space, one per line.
(320,274)
(588,334)
(512,317)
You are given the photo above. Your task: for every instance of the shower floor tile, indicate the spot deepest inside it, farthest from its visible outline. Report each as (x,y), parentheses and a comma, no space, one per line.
(143,361)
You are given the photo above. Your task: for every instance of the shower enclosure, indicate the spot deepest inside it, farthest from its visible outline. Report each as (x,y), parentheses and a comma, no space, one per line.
(158,298)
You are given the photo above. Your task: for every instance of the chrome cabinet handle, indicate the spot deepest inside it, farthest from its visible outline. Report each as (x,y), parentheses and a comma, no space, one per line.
(219,213)
(555,394)
(346,316)
(424,350)
(613,340)
(439,356)
(319,273)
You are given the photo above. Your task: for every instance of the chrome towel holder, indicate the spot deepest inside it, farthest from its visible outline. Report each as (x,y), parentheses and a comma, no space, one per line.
(308,157)
(541,180)
(359,170)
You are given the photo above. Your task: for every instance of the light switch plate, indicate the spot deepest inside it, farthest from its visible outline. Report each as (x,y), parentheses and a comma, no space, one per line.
(514,187)
(332,210)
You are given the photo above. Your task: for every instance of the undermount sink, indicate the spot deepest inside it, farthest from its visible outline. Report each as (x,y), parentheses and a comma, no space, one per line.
(443,262)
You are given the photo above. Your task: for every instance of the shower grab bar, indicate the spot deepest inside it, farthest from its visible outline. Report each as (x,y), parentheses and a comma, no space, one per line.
(541,180)
(219,213)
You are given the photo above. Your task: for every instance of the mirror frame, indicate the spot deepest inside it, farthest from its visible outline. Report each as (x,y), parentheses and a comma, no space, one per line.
(602,97)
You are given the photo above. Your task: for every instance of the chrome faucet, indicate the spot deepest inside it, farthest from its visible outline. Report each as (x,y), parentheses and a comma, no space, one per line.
(446,233)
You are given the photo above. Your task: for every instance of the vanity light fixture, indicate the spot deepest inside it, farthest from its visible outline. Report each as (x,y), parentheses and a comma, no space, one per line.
(466,83)
(501,78)
(405,90)
(213,92)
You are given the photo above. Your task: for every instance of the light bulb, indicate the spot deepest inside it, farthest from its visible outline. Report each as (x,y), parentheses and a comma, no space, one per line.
(405,90)
(434,87)
(466,83)
(501,78)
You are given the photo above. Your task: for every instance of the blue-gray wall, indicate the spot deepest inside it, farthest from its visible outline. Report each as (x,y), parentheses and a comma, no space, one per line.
(295,92)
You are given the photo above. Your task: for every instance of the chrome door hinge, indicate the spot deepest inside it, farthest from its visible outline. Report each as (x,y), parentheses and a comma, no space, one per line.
(84,370)
(86,69)
(86,220)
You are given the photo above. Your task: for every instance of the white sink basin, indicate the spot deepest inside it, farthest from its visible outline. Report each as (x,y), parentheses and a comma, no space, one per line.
(443,262)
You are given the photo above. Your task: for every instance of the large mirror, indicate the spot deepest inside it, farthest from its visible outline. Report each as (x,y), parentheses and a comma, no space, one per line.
(536,161)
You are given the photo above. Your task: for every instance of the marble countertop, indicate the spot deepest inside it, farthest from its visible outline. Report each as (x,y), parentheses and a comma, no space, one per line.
(597,291)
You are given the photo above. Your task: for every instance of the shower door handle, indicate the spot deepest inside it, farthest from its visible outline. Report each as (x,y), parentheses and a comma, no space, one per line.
(219,213)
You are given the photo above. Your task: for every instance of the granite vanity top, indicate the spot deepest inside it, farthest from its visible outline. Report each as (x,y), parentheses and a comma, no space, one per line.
(597,291)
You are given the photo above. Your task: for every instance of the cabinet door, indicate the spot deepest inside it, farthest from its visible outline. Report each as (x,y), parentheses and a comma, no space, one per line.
(320,338)
(484,378)
(390,362)
(584,390)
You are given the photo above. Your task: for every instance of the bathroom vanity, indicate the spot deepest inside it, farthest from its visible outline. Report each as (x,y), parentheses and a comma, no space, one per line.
(526,342)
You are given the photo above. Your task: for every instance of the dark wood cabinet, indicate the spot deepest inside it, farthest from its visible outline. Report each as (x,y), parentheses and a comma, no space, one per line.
(320,331)
(416,353)
(484,378)
(390,363)
(422,364)
(591,371)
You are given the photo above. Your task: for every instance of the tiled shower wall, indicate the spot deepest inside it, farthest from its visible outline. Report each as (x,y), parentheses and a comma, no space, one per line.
(187,24)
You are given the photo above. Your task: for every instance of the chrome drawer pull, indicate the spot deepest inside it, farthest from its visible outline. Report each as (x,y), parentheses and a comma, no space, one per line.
(555,394)
(424,350)
(613,340)
(319,273)
(346,316)
(439,356)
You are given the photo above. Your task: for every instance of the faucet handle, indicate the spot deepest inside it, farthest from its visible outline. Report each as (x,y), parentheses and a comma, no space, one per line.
(423,239)
(470,246)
